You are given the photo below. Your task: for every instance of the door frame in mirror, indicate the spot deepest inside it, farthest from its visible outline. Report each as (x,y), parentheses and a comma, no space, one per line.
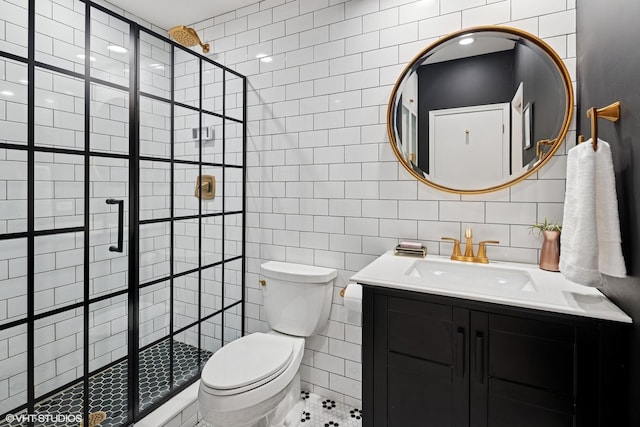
(557,141)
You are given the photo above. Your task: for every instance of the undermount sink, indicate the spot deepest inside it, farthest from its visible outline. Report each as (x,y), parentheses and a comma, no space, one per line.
(471,277)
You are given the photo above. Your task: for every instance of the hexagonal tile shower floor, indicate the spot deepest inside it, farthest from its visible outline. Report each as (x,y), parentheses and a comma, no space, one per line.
(321,412)
(108,389)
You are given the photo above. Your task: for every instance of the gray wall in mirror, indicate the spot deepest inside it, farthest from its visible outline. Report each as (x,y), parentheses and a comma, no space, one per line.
(479,80)
(541,89)
(490,79)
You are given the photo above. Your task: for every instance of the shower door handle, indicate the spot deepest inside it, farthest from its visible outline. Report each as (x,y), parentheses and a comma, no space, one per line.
(120,204)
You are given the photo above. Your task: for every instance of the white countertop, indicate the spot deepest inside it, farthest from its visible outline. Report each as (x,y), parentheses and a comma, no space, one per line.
(553,292)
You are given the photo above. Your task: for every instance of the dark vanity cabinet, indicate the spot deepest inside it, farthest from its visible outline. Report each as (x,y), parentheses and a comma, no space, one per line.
(431,361)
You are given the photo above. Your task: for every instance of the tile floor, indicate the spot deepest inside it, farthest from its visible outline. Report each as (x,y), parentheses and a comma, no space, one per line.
(321,412)
(108,389)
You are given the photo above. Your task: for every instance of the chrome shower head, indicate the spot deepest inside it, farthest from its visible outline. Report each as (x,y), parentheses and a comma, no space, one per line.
(188,37)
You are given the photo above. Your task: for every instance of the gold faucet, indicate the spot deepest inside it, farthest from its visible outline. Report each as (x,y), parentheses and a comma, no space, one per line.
(468,256)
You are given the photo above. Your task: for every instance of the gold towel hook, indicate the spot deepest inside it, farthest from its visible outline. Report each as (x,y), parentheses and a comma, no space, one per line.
(611,113)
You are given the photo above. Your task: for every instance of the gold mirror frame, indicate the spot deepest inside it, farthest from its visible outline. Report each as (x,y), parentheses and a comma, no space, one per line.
(554,143)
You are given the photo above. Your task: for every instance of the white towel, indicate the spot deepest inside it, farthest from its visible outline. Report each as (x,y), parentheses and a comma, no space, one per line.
(610,258)
(590,238)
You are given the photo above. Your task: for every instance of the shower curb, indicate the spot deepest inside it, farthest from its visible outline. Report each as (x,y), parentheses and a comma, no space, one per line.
(180,411)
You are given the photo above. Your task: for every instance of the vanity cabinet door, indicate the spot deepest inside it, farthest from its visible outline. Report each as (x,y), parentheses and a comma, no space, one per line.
(418,374)
(523,372)
(419,392)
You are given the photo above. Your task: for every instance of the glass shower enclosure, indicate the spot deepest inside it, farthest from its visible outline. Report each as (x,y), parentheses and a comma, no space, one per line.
(122,214)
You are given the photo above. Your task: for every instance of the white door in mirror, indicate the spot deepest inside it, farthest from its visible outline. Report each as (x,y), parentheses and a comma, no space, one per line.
(469,142)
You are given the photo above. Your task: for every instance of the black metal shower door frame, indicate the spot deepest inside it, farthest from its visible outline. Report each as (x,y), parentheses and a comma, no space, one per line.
(134,158)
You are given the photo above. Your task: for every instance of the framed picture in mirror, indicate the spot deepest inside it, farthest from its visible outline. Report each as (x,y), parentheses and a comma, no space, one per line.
(527,114)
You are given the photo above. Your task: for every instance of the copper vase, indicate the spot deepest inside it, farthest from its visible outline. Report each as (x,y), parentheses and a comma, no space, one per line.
(550,253)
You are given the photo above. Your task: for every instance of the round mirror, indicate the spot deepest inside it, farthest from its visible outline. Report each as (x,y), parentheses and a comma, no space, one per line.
(480,110)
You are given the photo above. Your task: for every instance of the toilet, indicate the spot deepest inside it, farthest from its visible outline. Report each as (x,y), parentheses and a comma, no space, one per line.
(254,380)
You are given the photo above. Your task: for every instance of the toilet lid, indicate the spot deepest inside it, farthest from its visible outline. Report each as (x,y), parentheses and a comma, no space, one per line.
(246,361)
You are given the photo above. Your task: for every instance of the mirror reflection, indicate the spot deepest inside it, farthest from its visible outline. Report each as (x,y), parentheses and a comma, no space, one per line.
(477,110)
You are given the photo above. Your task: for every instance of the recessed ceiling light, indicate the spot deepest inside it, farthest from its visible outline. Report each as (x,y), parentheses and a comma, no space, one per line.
(81,56)
(6,93)
(466,39)
(117,49)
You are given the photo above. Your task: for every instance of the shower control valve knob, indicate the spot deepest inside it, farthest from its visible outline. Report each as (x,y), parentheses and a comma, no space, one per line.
(263,282)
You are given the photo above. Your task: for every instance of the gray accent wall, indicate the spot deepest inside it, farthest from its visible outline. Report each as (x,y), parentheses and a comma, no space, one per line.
(608,64)
(478,80)
(542,81)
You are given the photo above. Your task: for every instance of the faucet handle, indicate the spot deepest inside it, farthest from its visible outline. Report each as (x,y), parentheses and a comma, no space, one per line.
(482,251)
(456,246)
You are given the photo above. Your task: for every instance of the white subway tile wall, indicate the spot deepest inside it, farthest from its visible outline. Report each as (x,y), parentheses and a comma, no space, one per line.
(59,270)
(59,347)
(13,26)
(60,34)
(185,304)
(211,334)
(108,328)
(59,112)
(155,66)
(154,241)
(13,280)
(13,191)
(13,102)
(109,58)
(155,182)
(324,187)
(109,124)
(59,191)
(13,376)
(211,290)
(154,313)
(232,324)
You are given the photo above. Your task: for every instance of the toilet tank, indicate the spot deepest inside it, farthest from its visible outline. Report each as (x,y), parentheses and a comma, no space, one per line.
(297,297)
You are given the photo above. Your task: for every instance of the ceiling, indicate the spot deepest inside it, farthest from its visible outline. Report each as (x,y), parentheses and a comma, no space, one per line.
(169,13)
(482,45)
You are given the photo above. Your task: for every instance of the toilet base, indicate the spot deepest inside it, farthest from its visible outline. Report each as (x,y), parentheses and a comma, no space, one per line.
(288,411)
(285,412)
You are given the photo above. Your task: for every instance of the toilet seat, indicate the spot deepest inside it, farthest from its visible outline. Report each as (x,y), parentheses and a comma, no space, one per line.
(247,363)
